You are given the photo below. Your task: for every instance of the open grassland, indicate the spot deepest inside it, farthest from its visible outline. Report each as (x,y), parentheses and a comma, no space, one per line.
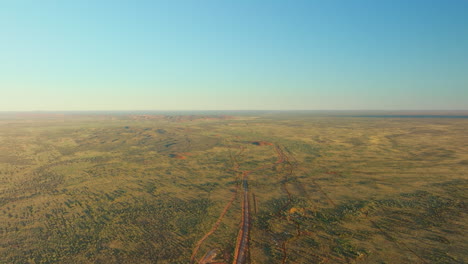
(168,189)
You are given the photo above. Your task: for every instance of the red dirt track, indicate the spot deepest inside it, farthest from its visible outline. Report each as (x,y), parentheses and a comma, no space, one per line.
(241,252)
(242,245)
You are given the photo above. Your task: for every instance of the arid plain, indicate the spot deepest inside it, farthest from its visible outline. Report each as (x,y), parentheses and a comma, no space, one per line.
(237,188)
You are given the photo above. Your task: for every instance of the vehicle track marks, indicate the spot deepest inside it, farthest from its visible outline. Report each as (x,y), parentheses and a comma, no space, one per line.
(241,252)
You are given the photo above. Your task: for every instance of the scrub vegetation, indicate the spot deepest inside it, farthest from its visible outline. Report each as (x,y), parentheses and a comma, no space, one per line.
(170,189)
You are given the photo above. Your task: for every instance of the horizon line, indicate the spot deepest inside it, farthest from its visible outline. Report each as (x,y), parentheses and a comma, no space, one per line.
(229,110)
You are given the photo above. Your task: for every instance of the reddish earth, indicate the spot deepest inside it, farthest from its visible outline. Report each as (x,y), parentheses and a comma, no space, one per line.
(215,226)
(177,156)
(241,252)
(262,143)
(180,118)
(39,115)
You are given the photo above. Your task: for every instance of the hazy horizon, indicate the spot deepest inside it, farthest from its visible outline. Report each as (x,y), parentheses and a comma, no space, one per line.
(243,110)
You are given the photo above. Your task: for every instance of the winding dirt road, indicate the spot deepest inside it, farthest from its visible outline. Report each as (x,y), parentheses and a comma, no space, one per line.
(241,252)
(242,245)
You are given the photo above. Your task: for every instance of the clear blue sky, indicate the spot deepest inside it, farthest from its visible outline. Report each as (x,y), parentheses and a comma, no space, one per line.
(243,54)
